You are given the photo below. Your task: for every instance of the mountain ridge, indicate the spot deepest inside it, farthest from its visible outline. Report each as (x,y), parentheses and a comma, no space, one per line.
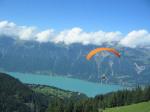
(70,61)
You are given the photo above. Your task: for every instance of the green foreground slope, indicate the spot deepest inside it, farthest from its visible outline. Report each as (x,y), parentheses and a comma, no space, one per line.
(18,97)
(140,107)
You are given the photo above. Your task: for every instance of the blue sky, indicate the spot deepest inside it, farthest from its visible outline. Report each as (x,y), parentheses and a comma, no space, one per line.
(90,15)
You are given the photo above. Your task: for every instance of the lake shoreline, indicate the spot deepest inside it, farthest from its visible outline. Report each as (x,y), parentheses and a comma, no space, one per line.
(71,84)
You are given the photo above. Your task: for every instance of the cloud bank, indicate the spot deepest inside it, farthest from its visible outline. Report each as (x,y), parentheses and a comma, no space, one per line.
(75,35)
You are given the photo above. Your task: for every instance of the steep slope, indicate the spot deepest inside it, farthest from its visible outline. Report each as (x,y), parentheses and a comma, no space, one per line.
(17,97)
(69,60)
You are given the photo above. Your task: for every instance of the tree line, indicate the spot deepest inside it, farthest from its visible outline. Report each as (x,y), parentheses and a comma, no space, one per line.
(18,97)
(100,102)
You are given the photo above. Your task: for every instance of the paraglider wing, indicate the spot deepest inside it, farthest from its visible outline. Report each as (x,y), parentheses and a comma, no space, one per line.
(95,51)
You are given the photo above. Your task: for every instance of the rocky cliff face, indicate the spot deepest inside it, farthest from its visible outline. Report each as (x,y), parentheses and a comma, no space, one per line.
(49,58)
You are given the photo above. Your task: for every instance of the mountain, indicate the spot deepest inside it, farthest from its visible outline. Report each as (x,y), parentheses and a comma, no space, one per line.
(18,97)
(131,68)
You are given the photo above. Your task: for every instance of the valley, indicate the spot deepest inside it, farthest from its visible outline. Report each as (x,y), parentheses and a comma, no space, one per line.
(131,69)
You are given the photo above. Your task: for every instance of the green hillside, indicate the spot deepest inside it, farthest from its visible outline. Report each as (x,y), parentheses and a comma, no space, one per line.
(140,107)
(18,97)
(57,92)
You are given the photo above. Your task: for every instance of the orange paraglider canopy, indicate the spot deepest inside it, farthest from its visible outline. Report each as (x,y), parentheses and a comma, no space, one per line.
(95,51)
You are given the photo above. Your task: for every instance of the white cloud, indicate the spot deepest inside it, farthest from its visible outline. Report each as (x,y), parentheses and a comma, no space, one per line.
(45,36)
(75,35)
(6,24)
(136,38)
(17,32)
(27,33)
(8,28)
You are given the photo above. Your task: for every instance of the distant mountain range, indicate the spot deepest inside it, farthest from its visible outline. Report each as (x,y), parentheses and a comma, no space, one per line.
(132,68)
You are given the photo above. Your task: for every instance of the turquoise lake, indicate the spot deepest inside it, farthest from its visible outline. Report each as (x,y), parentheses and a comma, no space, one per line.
(89,88)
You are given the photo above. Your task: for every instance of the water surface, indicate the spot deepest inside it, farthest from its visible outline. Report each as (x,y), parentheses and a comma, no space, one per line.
(89,88)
